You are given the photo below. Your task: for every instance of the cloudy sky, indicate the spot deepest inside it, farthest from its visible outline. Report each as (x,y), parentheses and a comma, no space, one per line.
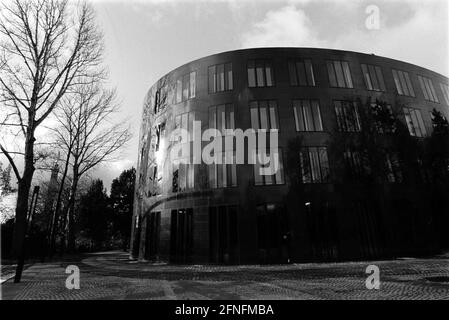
(147,38)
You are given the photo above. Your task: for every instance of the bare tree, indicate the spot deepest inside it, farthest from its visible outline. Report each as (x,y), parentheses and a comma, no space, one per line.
(46,46)
(87,137)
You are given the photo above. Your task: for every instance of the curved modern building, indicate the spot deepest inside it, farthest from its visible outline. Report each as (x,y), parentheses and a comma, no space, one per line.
(309,209)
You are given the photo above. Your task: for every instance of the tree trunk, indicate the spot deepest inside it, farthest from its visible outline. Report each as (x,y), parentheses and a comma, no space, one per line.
(54,226)
(24,185)
(71,212)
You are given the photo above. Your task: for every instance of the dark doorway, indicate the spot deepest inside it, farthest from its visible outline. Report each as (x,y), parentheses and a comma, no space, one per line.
(272,226)
(181,236)
(223,234)
(369,231)
(323,230)
(153,221)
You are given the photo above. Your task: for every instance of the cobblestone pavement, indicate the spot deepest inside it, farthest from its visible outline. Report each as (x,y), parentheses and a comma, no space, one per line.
(112,275)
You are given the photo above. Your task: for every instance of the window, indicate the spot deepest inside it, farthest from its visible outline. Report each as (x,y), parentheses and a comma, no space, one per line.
(437,118)
(260,73)
(445,90)
(183,168)
(221,117)
(427,89)
(264,114)
(160,133)
(393,168)
(223,174)
(403,83)
(356,164)
(348,119)
(384,120)
(185,121)
(186,87)
(275,162)
(414,122)
(314,165)
(220,78)
(307,115)
(160,99)
(339,74)
(183,176)
(301,73)
(374,79)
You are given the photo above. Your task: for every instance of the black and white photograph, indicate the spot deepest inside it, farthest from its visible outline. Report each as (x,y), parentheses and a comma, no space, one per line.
(226,155)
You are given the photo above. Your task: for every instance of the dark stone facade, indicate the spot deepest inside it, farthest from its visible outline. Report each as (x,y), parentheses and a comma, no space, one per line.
(315,222)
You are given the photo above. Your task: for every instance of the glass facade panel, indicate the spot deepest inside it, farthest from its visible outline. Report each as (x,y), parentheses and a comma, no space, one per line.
(185,87)
(403,83)
(307,115)
(178,90)
(380,78)
(263,115)
(331,73)
(273,116)
(254,115)
(348,119)
(339,73)
(414,121)
(314,165)
(373,76)
(397,82)
(220,77)
(229,79)
(251,74)
(263,74)
(409,84)
(292,73)
(428,89)
(347,74)
(309,73)
(367,77)
(318,126)
(445,90)
(212,77)
(274,156)
(260,74)
(192,90)
(269,74)
(301,73)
